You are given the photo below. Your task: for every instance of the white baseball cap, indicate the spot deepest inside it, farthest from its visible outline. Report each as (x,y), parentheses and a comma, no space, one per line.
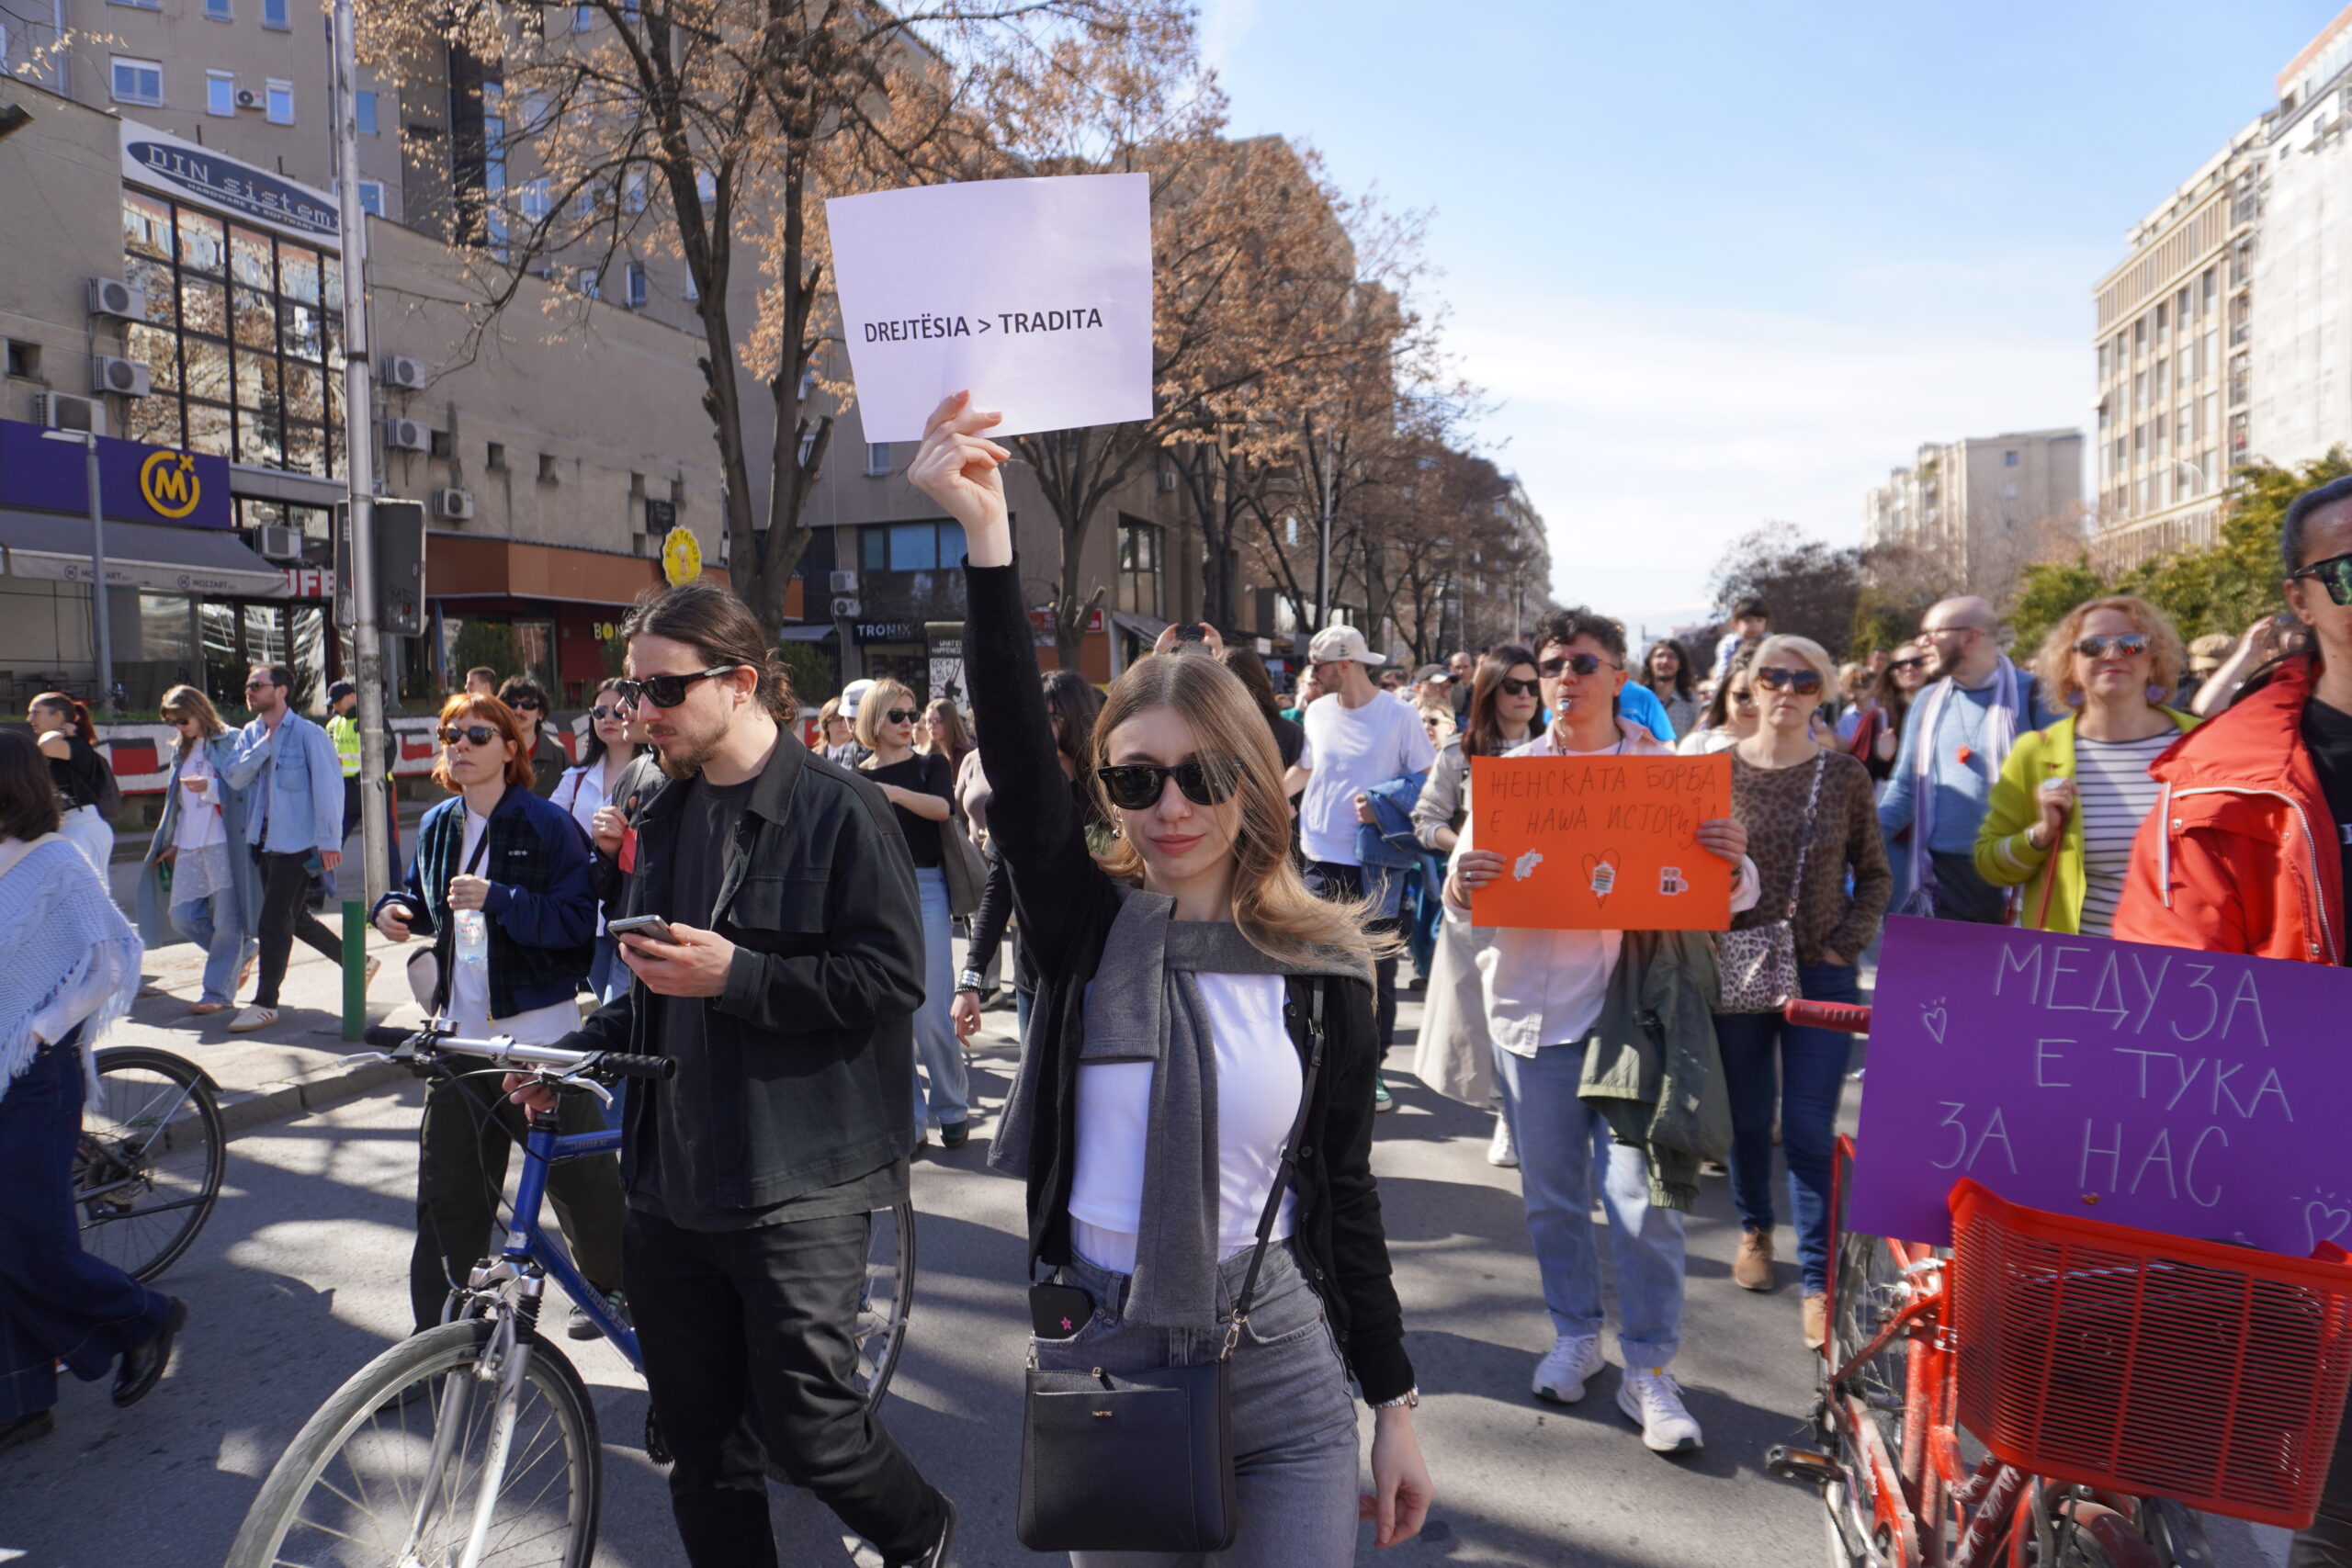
(1334,643)
(851,694)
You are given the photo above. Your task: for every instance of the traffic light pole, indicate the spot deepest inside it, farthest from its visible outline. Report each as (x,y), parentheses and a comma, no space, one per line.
(359,435)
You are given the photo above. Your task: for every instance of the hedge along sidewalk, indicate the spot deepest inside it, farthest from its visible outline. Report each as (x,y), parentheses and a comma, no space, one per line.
(290,1067)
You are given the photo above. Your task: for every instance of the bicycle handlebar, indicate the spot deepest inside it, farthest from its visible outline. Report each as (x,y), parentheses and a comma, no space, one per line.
(1847,1018)
(429,1041)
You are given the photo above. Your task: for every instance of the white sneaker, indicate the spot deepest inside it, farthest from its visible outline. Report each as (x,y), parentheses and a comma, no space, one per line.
(1650,1397)
(1560,1376)
(251,1018)
(1501,1150)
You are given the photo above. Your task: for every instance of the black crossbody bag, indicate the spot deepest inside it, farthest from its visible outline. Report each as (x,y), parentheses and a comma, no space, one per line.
(1143,1461)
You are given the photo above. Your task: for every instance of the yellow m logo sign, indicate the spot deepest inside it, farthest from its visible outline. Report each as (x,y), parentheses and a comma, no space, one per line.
(167,481)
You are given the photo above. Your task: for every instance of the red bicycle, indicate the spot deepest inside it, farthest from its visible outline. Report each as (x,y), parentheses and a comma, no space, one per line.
(2055,1393)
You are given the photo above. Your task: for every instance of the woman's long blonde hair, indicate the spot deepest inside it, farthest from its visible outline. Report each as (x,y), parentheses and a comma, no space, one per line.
(187,702)
(1270,903)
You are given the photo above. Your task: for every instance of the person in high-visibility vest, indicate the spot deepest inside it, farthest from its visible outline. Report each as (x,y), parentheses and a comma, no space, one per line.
(342,729)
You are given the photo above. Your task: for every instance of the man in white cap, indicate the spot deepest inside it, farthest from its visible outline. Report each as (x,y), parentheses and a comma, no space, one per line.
(1358,740)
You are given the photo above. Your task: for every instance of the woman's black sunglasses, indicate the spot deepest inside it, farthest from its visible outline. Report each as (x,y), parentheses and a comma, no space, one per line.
(1512,686)
(528,705)
(665,691)
(1908,664)
(600,713)
(2131,645)
(902,715)
(1803,683)
(1581,663)
(2335,574)
(471,734)
(1138,786)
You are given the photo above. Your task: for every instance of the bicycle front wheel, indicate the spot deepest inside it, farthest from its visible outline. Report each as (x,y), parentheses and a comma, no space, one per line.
(147,1168)
(421,1451)
(888,1297)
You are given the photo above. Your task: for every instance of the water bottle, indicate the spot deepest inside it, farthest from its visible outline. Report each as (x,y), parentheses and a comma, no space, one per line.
(473,938)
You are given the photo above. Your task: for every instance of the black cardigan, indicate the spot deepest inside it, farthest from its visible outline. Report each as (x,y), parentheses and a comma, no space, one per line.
(1066,903)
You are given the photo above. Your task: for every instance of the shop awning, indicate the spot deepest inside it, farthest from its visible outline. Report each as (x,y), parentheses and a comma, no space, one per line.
(817,633)
(56,548)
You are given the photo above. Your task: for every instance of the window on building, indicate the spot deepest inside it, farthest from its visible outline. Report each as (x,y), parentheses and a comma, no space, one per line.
(705,186)
(281,103)
(242,340)
(494,166)
(2140,336)
(2009,459)
(911,546)
(531,199)
(546,469)
(220,92)
(2181,305)
(877,458)
(140,4)
(690,291)
(2102,361)
(590,282)
(1139,567)
(633,191)
(364,108)
(2161,379)
(2209,287)
(274,15)
(138,81)
(494,457)
(23,360)
(583,18)
(217,10)
(371,197)
(637,291)
(2162,313)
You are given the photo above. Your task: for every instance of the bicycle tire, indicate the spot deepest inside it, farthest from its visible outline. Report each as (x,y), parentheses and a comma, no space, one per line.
(1867,1280)
(368,1407)
(889,1278)
(148,1166)
(2176,1533)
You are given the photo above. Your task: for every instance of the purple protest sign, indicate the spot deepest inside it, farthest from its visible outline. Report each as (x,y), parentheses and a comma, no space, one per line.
(2193,1093)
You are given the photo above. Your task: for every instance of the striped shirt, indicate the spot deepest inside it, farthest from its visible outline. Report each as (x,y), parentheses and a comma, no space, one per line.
(2115,792)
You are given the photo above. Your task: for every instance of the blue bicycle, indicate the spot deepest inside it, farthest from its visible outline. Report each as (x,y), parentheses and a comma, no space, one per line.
(475,1442)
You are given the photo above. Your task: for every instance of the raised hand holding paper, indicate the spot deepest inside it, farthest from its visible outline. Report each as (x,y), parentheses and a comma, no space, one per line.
(1035,294)
(2193,1093)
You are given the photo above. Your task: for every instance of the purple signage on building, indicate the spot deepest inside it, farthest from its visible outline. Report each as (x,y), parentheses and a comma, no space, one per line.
(137,483)
(2193,1093)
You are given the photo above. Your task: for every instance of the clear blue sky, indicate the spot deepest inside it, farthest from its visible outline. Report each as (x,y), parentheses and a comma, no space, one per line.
(1725,262)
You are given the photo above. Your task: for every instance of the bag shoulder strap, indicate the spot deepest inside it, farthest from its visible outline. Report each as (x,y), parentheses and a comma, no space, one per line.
(1804,834)
(1289,1163)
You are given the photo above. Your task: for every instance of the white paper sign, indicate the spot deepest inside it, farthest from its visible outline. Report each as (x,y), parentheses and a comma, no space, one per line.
(1036,294)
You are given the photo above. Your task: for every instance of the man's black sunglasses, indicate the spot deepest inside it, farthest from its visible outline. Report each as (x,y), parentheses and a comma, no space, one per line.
(527,705)
(471,734)
(1512,686)
(1803,683)
(1581,663)
(2335,574)
(1138,786)
(665,691)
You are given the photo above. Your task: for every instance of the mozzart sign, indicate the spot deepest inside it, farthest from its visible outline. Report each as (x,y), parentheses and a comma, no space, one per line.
(240,190)
(138,483)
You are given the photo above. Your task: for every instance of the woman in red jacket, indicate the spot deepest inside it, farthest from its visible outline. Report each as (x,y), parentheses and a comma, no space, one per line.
(2247,850)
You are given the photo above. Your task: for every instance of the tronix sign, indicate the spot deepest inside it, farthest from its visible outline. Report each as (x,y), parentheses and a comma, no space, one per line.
(237,190)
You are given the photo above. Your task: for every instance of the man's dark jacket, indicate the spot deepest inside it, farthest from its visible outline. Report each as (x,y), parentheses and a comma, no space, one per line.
(812,1044)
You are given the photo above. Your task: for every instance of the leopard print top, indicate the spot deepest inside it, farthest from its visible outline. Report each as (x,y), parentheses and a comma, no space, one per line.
(1770,803)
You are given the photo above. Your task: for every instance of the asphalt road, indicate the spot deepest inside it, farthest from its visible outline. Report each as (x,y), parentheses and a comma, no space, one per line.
(300,1278)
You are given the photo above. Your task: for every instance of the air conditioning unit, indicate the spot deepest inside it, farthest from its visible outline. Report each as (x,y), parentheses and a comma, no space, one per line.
(400,370)
(454,505)
(276,542)
(113,296)
(844,608)
(407,436)
(845,582)
(63,411)
(248,98)
(109,374)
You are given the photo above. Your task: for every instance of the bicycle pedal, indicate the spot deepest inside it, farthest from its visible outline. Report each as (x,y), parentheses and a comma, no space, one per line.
(1802,1464)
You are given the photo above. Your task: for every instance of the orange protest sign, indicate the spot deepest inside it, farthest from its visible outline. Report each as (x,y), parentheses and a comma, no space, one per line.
(1602,844)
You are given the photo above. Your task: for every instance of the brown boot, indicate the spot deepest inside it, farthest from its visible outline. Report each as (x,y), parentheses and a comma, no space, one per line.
(1816,1320)
(1751,1266)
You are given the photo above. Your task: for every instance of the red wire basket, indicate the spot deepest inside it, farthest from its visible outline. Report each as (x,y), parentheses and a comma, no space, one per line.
(2149,1364)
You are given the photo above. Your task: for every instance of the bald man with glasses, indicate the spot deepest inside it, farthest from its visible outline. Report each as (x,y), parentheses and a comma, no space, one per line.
(1955,738)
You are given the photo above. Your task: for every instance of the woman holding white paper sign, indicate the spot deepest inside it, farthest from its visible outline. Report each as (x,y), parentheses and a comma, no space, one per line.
(1811,825)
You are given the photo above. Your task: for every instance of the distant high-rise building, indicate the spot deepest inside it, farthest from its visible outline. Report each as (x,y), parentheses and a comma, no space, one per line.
(2300,357)
(1981,508)
(2174,322)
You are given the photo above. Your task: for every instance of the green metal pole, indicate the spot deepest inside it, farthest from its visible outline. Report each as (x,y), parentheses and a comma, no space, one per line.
(355,969)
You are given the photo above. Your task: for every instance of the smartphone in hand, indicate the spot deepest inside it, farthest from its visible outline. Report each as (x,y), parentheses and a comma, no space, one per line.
(653,926)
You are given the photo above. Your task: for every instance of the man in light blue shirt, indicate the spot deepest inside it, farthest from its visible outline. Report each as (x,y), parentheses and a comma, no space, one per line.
(295,814)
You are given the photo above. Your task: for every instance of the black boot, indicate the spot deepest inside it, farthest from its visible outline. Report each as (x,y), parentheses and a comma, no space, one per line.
(143,1365)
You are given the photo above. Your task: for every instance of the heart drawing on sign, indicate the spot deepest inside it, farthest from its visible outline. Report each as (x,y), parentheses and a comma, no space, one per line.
(1932,1018)
(1601,869)
(2324,1222)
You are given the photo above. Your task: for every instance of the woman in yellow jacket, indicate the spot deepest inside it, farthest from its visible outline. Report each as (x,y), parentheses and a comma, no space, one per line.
(2063,814)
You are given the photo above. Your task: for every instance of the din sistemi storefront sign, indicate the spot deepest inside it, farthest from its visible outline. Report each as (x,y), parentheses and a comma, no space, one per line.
(185,169)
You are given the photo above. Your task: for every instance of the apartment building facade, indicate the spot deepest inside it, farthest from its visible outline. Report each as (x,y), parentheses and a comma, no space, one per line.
(1981,508)
(2302,349)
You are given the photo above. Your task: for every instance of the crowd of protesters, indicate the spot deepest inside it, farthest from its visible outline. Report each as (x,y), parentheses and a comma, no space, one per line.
(1207,890)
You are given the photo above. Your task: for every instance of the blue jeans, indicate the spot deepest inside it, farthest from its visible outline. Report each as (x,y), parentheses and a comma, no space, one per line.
(936,1048)
(1812,1073)
(211,923)
(57,1303)
(1562,1141)
(1293,1419)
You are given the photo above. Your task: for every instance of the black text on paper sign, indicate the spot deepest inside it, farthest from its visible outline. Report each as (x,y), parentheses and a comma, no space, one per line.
(912,328)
